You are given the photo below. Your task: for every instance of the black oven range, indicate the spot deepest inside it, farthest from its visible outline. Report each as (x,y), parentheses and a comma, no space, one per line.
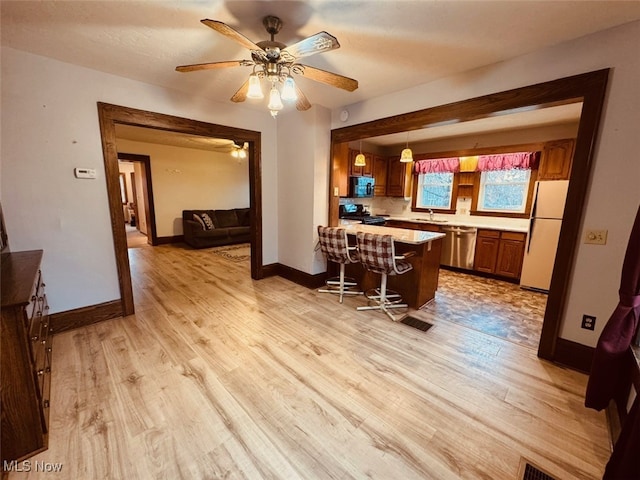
(356,212)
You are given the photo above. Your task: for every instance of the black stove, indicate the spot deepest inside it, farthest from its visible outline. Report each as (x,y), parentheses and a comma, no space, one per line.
(356,212)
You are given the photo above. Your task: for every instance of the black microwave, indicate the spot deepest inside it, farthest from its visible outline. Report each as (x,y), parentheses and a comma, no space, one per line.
(361,187)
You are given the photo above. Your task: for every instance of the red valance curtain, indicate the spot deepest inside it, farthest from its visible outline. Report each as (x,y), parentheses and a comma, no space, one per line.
(508,161)
(501,161)
(437,165)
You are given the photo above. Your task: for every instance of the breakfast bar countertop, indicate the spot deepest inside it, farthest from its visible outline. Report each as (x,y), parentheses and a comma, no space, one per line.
(403,235)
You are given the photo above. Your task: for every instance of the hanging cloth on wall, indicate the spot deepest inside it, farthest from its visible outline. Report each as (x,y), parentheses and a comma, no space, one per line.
(610,371)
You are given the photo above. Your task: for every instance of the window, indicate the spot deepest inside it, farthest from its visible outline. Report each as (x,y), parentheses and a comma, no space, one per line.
(434,190)
(504,190)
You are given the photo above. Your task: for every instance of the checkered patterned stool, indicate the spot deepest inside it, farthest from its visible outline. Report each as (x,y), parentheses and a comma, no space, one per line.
(377,255)
(335,247)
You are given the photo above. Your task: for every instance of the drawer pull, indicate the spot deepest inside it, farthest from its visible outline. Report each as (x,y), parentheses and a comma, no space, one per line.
(47,370)
(33,298)
(43,284)
(45,404)
(39,313)
(40,372)
(34,338)
(49,349)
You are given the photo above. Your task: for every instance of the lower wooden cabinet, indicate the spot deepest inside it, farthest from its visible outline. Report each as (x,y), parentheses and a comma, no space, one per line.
(499,252)
(25,357)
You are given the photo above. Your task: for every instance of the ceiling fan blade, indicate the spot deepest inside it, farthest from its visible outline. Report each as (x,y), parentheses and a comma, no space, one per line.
(241,94)
(318,43)
(302,103)
(209,66)
(329,78)
(229,32)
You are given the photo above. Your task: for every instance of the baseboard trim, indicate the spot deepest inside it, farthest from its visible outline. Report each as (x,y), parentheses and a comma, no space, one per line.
(301,278)
(270,270)
(574,355)
(168,240)
(81,317)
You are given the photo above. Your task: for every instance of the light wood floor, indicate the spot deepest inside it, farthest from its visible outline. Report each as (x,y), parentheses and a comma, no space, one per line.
(220,376)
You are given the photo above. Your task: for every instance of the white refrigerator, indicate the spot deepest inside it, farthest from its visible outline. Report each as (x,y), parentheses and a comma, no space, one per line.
(544,231)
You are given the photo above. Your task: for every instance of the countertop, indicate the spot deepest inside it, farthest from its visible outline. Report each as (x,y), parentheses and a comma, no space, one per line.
(403,235)
(467,221)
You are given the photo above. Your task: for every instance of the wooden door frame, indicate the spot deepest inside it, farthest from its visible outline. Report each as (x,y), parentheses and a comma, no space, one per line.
(588,88)
(111,115)
(147,193)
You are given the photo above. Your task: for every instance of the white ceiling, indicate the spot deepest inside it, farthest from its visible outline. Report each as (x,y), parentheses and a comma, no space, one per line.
(417,40)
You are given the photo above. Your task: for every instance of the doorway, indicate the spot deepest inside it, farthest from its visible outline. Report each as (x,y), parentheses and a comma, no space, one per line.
(588,88)
(139,210)
(110,116)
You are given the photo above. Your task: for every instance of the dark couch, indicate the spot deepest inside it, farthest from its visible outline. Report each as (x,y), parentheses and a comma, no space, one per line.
(210,228)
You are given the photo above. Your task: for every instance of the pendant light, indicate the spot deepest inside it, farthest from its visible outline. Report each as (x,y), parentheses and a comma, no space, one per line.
(360,160)
(407,155)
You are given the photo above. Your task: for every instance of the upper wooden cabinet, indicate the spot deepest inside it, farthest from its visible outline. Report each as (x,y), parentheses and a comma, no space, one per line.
(399,181)
(555,163)
(380,175)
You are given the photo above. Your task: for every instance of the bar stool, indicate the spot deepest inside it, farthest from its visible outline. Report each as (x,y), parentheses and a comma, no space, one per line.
(335,247)
(377,255)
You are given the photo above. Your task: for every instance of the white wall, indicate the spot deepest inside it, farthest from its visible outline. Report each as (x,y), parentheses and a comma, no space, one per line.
(613,197)
(49,126)
(304,143)
(188,178)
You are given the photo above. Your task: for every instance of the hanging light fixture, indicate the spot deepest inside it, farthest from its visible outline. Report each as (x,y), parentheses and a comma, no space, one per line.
(239,151)
(360,159)
(278,75)
(289,89)
(255,91)
(407,155)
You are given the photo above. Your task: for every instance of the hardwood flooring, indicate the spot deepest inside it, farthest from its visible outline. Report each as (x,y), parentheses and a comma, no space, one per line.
(221,376)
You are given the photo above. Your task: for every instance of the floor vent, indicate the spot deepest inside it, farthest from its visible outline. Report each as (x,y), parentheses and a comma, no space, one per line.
(416,323)
(530,472)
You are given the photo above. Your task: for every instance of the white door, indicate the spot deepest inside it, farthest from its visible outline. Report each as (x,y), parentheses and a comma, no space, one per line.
(540,254)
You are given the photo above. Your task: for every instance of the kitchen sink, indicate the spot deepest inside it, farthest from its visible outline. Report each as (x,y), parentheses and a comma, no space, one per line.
(430,221)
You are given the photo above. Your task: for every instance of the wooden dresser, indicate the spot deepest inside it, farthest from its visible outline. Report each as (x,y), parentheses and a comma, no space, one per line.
(25,368)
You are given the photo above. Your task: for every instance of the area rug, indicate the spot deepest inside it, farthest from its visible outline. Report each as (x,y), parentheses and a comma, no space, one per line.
(235,253)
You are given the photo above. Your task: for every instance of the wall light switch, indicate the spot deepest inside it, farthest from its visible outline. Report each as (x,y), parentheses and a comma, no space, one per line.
(336,192)
(85,172)
(596,237)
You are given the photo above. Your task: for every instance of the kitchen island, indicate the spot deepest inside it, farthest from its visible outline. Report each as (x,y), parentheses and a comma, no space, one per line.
(417,286)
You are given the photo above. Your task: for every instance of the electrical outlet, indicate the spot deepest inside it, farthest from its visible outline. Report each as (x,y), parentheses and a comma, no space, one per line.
(596,237)
(588,322)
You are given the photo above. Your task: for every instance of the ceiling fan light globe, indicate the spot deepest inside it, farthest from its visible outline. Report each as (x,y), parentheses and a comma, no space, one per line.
(255,90)
(406,156)
(360,160)
(289,90)
(275,102)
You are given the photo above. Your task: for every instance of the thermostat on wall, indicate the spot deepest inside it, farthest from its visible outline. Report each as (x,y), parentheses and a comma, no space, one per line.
(84,172)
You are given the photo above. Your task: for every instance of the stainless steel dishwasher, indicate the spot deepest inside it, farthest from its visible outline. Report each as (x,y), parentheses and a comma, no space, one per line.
(458,247)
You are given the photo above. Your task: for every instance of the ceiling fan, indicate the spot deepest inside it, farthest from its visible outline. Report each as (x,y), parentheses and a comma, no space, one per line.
(276,62)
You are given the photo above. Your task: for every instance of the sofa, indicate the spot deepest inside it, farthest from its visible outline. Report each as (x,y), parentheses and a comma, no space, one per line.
(211,228)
